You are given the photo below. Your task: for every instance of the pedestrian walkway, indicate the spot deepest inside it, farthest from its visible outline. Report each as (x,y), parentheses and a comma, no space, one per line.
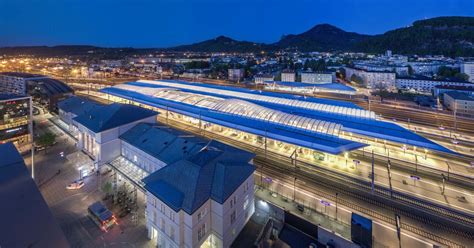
(304,211)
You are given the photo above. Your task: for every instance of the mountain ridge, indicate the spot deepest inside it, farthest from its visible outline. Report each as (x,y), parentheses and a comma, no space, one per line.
(448,35)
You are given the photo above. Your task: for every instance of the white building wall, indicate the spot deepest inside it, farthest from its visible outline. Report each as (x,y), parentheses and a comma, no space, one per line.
(288,77)
(212,217)
(468,68)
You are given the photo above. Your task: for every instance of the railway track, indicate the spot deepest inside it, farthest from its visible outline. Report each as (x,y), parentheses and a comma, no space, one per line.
(317,189)
(449,220)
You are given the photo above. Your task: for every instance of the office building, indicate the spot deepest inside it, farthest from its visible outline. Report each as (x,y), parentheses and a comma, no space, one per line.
(26,220)
(262,78)
(373,78)
(44,90)
(424,84)
(441,89)
(468,68)
(235,75)
(317,77)
(288,76)
(461,103)
(16,120)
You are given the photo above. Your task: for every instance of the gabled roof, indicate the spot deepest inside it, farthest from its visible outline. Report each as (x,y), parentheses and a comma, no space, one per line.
(78,105)
(111,116)
(214,172)
(26,220)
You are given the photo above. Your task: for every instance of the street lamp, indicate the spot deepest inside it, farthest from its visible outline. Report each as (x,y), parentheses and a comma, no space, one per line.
(294,189)
(346,156)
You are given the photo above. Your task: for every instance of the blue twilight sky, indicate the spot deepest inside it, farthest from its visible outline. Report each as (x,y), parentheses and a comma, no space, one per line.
(162,23)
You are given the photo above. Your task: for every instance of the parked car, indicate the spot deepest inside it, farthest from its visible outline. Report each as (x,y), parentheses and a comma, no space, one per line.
(76,185)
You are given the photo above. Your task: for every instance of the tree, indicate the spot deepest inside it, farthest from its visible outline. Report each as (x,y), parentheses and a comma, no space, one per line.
(341,73)
(461,76)
(107,188)
(358,80)
(46,139)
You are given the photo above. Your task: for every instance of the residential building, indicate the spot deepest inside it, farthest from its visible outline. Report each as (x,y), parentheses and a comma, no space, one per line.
(262,78)
(468,68)
(99,129)
(426,68)
(317,77)
(288,76)
(26,220)
(373,78)
(384,66)
(195,73)
(441,89)
(203,200)
(15,82)
(425,84)
(235,74)
(15,119)
(459,102)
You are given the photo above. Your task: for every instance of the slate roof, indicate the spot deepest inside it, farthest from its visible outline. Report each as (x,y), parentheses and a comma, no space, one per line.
(214,172)
(111,116)
(26,220)
(166,144)
(78,105)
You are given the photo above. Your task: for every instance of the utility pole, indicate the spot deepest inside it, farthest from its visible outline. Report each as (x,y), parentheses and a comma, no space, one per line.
(32,139)
(399,231)
(373,173)
(294,189)
(444,182)
(336,204)
(389,177)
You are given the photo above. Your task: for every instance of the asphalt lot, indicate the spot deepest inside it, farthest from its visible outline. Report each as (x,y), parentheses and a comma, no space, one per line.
(54,172)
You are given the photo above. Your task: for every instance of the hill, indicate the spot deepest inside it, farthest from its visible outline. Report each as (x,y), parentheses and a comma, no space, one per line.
(450,36)
(223,44)
(323,37)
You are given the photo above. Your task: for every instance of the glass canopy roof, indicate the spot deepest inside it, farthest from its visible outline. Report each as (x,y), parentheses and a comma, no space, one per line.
(270,99)
(238,107)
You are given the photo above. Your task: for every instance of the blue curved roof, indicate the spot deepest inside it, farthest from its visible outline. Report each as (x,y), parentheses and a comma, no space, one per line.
(255,92)
(313,140)
(363,126)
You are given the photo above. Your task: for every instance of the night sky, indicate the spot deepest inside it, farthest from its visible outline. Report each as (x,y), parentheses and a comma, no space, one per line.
(163,23)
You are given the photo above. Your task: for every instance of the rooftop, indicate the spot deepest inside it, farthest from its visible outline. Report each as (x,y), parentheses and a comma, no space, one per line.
(460,96)
(214,172)
(111,116)
(50,86)
(22,75)
(421,77)
(7,97)
(455,87)
(206,102)
(243,116)
(78,105)
(166,144)
(26,218)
